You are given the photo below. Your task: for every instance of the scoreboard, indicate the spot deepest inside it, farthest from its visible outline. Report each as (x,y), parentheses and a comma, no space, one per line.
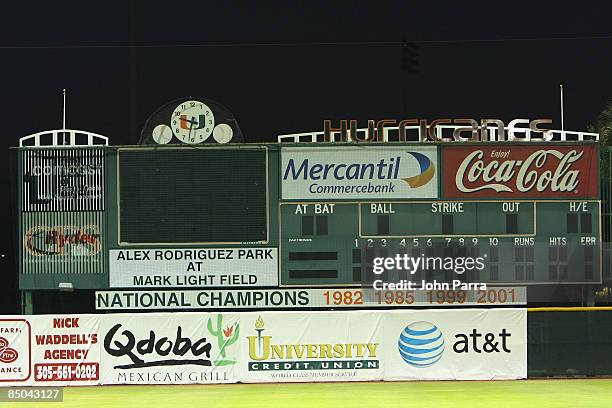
(314,217)
(523,242)
(530,211)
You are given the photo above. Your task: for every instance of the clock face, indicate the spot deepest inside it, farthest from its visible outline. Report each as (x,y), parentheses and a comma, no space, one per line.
(162,134)
(192,122)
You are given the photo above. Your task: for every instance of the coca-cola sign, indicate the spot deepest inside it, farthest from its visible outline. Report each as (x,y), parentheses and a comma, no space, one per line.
(495,171)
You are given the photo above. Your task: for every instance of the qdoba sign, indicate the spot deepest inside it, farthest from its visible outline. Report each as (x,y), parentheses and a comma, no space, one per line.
(561,171)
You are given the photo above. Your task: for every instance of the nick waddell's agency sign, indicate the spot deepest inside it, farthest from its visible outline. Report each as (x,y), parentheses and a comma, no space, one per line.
(356,172)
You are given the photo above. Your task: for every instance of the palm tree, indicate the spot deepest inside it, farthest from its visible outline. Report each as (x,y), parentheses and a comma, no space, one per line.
(604,128)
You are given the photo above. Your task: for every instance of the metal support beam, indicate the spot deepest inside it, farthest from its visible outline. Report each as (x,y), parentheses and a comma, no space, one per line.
(27,307)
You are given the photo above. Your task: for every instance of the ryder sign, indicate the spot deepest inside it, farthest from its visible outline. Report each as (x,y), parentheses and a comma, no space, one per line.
(535,171)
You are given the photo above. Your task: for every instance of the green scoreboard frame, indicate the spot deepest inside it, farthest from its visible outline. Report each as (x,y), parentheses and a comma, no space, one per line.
(534,242)
(380,200)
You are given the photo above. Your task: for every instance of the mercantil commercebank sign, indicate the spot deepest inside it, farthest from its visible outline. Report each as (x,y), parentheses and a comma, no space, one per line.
(352,172)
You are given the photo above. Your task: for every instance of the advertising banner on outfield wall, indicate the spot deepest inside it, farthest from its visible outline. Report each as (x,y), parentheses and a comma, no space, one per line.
(309,347)
(177,348)
(221,267)
(485,344)
(359,172)
(50,350)
(534,171)
(266,346)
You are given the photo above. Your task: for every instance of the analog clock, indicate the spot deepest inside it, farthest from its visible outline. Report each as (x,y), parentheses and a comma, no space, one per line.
(192,122)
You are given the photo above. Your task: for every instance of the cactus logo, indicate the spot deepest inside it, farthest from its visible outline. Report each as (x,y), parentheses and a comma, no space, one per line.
(421,344)
(225,338)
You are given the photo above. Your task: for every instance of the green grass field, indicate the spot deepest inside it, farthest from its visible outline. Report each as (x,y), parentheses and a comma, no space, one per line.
(495,394)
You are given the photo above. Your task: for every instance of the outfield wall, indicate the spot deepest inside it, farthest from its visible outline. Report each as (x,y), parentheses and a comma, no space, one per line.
(566,342)
(181,348)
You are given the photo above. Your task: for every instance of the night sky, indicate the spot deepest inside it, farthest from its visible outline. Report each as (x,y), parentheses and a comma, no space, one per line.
(283,67)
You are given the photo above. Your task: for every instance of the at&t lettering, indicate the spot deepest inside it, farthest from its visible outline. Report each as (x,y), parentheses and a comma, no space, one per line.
(477,342)
(422,344)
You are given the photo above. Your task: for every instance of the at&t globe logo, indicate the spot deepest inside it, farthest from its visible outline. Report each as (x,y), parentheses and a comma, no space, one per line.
(421,344)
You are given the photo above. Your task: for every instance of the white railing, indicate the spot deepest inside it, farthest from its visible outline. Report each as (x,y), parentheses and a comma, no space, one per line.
(63,137)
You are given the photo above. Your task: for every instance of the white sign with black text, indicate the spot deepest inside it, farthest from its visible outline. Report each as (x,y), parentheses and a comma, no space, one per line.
(300,298)
(197,267)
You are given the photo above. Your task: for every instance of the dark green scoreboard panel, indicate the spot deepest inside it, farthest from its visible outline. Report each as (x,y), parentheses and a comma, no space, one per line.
(522,242)
(192,196)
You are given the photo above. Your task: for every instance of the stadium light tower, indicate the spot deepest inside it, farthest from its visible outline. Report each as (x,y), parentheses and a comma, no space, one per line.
(561,97)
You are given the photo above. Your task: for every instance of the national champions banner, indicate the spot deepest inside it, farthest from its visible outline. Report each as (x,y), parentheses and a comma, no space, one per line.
(270,346)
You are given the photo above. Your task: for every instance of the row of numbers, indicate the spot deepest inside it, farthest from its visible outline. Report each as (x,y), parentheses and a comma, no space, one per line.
(416,242)
(407,297)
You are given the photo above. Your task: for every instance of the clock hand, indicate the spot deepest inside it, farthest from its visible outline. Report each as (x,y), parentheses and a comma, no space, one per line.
(190,121)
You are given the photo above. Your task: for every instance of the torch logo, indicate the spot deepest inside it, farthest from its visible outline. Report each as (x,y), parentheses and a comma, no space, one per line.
(259,346)
(259,326)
